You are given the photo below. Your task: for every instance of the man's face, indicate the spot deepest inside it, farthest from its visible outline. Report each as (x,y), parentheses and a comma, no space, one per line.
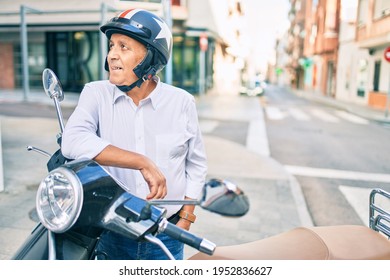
(124,55)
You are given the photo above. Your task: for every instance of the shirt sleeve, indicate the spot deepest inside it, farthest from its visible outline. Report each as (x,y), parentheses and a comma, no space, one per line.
(80,138)
(196,161)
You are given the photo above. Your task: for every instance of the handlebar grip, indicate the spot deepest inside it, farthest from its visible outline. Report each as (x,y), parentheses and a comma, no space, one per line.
(201,244)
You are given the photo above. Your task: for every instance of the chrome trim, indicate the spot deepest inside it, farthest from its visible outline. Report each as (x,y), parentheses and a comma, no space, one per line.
(159,243)
(77,186)
(51,239)
(207,247)
(377,215)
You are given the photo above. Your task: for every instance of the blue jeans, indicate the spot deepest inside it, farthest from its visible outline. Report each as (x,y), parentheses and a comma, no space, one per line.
(113,246)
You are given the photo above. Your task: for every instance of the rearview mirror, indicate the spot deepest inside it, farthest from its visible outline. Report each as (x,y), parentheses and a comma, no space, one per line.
(219,196)
(52,85)
(225,198)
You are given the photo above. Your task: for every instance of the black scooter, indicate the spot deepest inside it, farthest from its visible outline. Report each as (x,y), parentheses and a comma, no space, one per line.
(79,199)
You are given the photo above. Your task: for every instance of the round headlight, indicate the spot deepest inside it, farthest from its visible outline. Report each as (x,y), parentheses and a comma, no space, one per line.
(59,200)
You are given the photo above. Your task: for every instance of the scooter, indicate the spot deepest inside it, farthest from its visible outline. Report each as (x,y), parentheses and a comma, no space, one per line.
(79,199)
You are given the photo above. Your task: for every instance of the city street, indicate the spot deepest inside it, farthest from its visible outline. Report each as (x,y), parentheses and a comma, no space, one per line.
(335,155)
(235,140)
(301,162)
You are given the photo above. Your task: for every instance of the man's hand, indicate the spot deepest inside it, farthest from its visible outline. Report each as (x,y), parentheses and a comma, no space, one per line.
(156,181)
(113,156)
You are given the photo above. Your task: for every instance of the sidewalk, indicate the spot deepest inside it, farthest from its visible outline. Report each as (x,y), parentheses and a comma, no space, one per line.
(236,146)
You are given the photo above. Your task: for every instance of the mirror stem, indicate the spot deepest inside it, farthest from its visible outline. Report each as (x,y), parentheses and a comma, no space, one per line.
(59,113)
(174,202)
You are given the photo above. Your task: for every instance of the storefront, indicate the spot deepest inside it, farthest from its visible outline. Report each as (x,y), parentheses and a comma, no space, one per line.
(75,57)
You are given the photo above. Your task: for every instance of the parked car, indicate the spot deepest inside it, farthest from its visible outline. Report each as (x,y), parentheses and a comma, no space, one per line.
(253,88)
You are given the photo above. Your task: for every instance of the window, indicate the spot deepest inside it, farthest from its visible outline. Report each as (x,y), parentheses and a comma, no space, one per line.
(363,12)
(362,77)
(381,8)
(377,72)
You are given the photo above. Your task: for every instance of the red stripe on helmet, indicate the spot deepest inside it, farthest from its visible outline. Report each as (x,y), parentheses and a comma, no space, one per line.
(123,14)
(126,13)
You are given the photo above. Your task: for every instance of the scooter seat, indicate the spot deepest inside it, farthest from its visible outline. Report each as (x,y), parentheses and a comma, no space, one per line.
(347,242)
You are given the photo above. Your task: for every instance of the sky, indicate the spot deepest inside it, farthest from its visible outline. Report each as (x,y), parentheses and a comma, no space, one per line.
(264,21)
(268,20)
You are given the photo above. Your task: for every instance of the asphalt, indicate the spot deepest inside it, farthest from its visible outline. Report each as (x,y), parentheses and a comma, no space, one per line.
(236,143)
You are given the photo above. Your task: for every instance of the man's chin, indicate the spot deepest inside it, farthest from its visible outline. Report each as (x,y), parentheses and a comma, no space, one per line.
(115,81)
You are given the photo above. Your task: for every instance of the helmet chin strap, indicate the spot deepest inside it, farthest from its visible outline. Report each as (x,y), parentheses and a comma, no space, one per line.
(126,89)
(144,71)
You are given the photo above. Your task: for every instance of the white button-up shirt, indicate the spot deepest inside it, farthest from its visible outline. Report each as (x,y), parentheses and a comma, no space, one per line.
(164,127)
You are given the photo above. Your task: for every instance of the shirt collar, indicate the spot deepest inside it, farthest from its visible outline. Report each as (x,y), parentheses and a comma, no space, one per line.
(154,96)
(117,94)
(156,93)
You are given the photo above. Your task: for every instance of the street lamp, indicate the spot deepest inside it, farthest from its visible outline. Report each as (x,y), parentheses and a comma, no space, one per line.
(23,40)
(168,19)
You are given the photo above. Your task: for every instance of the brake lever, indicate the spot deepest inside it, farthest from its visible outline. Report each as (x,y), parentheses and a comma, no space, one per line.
(159,243)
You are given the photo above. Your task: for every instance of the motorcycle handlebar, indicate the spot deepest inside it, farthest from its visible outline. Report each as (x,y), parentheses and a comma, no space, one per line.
(201,244)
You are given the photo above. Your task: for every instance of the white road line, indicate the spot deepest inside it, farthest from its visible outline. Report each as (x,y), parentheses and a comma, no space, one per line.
(257,139)
(358,198)
(337,174)
(208,126)
(299,114)
(274,113)
(352,118)
(324,116)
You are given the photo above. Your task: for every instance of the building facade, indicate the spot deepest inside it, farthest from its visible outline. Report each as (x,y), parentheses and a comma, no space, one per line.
(373,37)
(320,50)
(64,36)
(295,44)
(337,49)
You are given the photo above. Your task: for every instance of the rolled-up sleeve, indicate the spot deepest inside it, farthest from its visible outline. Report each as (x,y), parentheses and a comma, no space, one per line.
(80,138)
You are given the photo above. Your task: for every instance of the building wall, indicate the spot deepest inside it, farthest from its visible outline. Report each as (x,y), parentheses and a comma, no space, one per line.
(73,19)
(321,45)
(352,67)
(373,29)
(373,36)
(7,66)
(296,42)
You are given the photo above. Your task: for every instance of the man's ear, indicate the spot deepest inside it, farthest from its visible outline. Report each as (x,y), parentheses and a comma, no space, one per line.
(144,67)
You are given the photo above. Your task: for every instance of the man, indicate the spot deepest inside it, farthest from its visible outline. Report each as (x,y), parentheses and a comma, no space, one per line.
(146,132)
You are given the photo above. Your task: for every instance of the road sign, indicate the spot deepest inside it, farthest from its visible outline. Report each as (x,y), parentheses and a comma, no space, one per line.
(203,42)
(387,54)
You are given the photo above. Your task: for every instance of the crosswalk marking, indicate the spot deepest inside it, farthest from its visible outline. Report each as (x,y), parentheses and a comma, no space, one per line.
(324,116)
(358,198)
(352,118)
(299,114)
(274,113)
(207,126)
(337,174)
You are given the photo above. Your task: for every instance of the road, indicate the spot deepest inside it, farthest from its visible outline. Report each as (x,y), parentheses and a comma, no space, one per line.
(337,157)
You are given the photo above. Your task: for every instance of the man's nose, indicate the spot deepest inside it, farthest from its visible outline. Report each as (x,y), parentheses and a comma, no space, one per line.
(113,53)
